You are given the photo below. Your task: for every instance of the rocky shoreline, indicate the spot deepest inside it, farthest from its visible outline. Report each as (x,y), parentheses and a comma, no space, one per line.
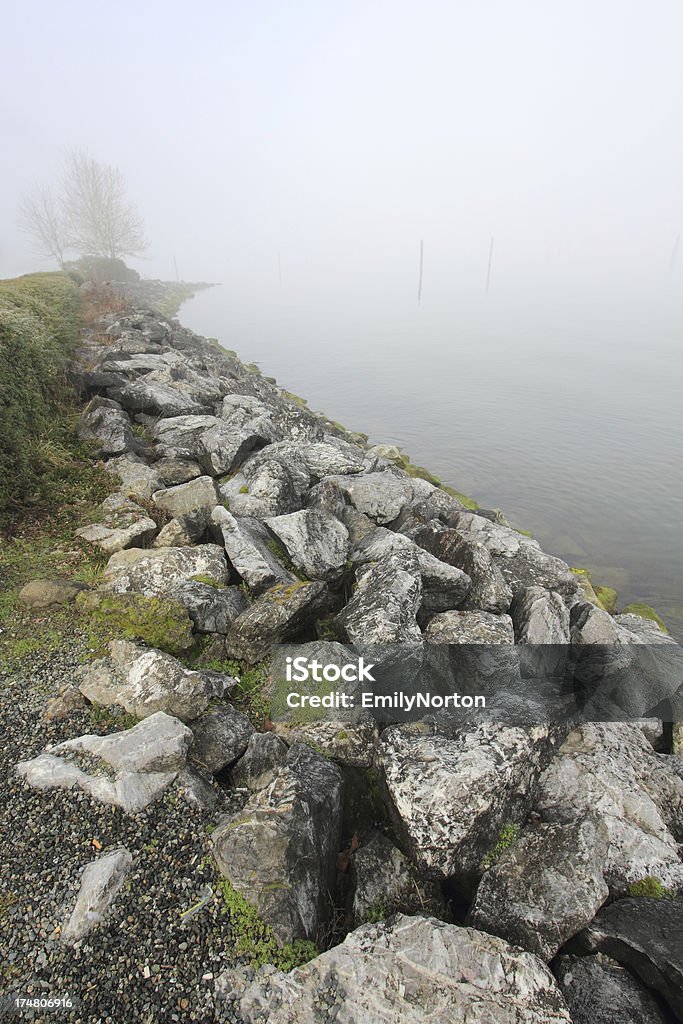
(211,862)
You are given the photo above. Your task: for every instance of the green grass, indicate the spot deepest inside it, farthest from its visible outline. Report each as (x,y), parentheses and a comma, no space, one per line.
(506,837)
(255,940)
(158,622)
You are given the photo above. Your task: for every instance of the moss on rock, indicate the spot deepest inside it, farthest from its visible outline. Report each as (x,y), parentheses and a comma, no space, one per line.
(157,621)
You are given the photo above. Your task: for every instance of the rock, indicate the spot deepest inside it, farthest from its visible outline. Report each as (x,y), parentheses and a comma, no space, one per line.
(430,971)
(599,991)
(245,426)
(348,743)
(249,548)
(450,798)
(137,478)
(459,627)
(176,471)
(316,542)
(611,770)
(294,825)
(67,700)
(385,603)
(385,882)
(279,614)
(189,498)
(155,397)
(540,617)
(488,591)
(381,496)
(183,531)
(544,888)
(101,882)
(269,489)
(198,790)
(106,424)
(155,621)
(160,571)
(591,625)
(264,756)
(646,630)
(124,524)
(131,769)
(212,609)
(145,682)
(180,437)
(644,934)
(50,593)
(221,735)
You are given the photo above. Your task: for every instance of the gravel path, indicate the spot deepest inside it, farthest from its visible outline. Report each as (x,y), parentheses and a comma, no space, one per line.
(146,963)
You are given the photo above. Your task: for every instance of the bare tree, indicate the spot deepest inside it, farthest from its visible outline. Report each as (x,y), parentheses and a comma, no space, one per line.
(101,220)
(90,213)
(41,216)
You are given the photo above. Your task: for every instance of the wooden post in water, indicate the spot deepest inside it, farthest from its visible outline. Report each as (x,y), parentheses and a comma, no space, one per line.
(488,272)
(419,279)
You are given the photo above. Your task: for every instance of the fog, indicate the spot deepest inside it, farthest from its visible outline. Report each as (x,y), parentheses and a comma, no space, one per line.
(303,150)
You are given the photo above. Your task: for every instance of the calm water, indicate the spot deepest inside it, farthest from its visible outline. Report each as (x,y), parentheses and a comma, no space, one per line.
(570,425)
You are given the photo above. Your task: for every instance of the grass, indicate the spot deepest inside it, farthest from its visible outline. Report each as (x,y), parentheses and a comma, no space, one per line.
(506,837)
(255,940)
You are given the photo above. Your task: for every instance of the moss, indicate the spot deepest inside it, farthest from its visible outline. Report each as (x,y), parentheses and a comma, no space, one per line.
(112,717)
(469,503)
(326,629)
(279,553)
(255,940)
(645,612)
(156,621)
(297,399)
(244,489)
(208,580)
(607,596)
(650,888)
(376,912)
(506,837)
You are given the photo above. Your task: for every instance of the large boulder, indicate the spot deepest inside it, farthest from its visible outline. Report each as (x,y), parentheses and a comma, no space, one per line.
(282,613)
(471,627)
(545,887)
(645,934)
(191,497)
(161,571)
(154,395)
(123,524)
(610,769)
(317,543)
(251,551)
(279,852)
(410,970)
(264,756)
(599,991)
(212,609)
(488,592)
(385,881)
(450,797)
(262,488)
(128,769)
(106,424)
(137,478)
(385,603)
(221,735)
(540,617)
(381,496)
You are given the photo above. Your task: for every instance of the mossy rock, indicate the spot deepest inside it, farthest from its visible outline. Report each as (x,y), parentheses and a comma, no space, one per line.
(607,596)
(157,621)
(645,612)
(469,503)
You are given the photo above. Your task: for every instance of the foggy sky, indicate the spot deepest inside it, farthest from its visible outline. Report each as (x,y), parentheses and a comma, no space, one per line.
(309,146)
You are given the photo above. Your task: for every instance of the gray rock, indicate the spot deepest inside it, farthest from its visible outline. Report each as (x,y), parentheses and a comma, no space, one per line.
(183,531)
(546,887)
(221,735)
(294,826)
(279,614)
(155,397)
(644,934)
(384,605)
(212,609)
(248,545)
(459,627)
(123,525)
(191,497)
(489,591)
(176,471)
(429,971)
(137,478)
(610,769)
(646,630)
(266,489)
(198,790)
(450,798)
(160,571)
(540,617)
(316,542)
(145,683)
(381,496)
(592,625)
(180,437)
(351,743)
(264,756)
(129,769)
(599,991)
(385,882)
(50,593)
(106,424)
(101,882)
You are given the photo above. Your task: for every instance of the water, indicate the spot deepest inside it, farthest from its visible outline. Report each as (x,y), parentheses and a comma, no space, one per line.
(570,424)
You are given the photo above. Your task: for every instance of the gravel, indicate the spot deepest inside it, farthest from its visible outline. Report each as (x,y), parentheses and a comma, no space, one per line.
(145,962)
